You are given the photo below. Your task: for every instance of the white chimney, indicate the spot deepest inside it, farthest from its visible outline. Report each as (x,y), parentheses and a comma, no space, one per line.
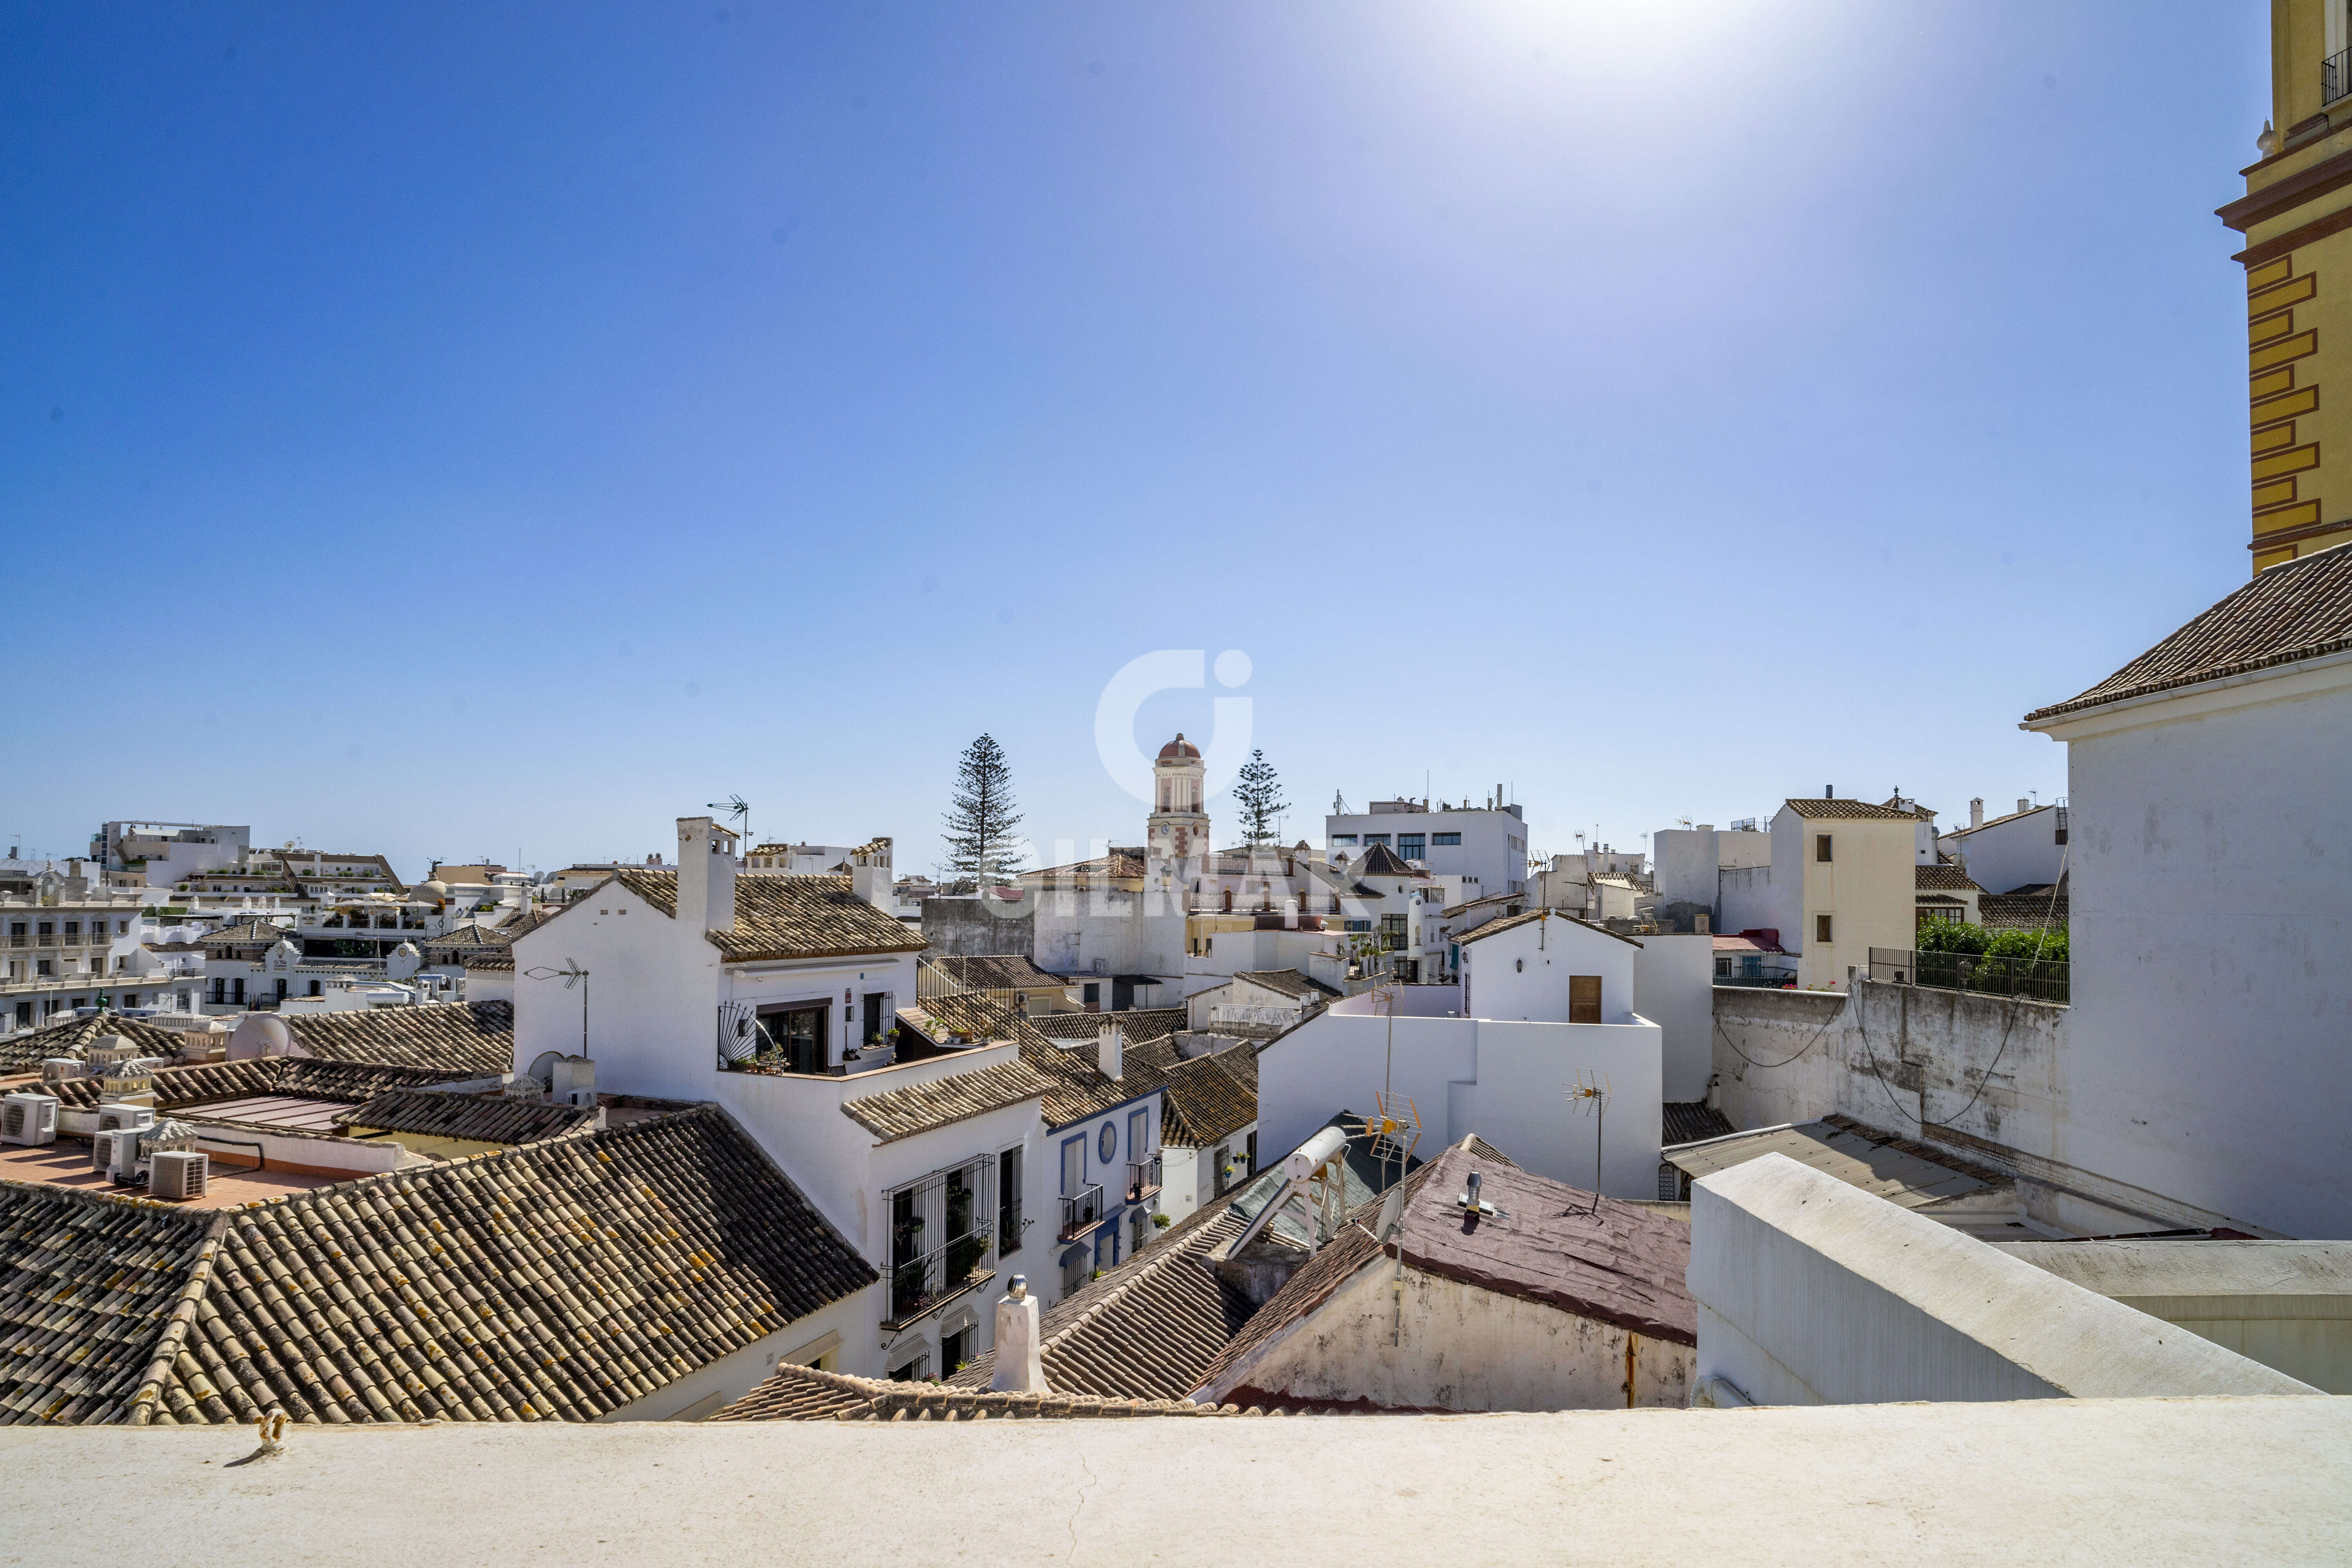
(2024,806)
(706,874)
(1976,812)
(869,873)
(1110,1048)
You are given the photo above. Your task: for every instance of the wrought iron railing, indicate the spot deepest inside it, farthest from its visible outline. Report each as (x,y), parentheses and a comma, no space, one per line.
(1082,1211)
(2335,77)
(2038,979)
(1142,1179)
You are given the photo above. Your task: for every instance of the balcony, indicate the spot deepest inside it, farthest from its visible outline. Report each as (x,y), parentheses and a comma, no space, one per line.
(1082,1211)
(1142,1179)
(2335,77)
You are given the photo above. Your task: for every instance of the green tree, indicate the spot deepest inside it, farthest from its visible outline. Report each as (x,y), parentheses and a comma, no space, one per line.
(980,818)
(1950,936)
(1258,793)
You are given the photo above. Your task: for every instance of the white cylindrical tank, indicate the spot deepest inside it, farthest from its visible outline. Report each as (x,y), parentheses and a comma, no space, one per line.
(1312,1155)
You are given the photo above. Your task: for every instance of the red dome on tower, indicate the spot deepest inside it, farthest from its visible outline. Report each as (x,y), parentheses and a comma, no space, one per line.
(1178,749)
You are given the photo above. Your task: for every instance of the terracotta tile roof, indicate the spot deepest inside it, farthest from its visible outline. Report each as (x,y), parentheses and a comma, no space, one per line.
(1137,1024)
(27,1049)
(1838,810)
(994,972)
(1210,1098)
(466,938)
(1996,821)
(2023,912)
(87,1288)
(490,961)
(1380,860)
(1146,1329)
(1512,922)
(1077,1088)
(784,917)
(492,1121)
(350,1083)
(1116,864)
(473,1036)
(2298,610)
(245,933)
(1289,983)
(553,1282)
(1688,1121)
(805,1393)
(1942,878)
(898,1113)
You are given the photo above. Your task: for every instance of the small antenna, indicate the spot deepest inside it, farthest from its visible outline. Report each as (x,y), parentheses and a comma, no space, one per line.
(736,807)
(1588,1095)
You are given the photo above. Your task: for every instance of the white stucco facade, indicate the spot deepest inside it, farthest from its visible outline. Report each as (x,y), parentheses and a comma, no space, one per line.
(1505,1081)
(2211,925)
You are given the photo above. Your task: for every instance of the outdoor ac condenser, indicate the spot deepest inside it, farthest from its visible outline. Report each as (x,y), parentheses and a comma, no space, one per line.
(115,1154)
(178,1175)
(31,1119)
(112,1118)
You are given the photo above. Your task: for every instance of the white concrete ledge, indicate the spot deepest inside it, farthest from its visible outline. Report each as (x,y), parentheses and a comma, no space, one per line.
(1812,1291)
(2053,1481)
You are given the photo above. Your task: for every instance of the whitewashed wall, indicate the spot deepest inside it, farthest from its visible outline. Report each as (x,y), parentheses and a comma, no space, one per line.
(2212,946)
(1505,1081)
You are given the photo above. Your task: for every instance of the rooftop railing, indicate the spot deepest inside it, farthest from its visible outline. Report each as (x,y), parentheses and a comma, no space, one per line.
(2036,979)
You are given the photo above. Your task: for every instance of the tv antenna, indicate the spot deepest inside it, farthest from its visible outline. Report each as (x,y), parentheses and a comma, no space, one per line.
(736,807)
(1589,1095)
(1391,1133)
(571,974)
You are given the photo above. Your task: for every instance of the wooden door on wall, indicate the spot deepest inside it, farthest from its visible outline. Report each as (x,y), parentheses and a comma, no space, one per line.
(1584,998)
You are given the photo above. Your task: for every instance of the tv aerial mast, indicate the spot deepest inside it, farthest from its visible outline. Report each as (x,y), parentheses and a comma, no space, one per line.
(1589,1095)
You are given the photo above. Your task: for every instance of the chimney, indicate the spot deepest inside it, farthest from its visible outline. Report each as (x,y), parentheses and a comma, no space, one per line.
(1700,923)
(1829,792)
(1110,1050)
(706,874)
(2024,806)
(1976,812)
(869,873)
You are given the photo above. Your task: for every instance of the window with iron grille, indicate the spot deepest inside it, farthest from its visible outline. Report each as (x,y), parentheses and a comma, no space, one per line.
(943,1230)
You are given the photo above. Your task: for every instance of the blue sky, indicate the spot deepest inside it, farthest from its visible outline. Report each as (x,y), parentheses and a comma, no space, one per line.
(462,429)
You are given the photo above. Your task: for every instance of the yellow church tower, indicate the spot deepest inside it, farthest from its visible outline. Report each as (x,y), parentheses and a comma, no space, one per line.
(2297,215)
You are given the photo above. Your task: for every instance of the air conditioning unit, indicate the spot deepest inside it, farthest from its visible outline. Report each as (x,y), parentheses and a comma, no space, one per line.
(31,1119)
(115,1154)
(178,1173)
(60,1069)
(113,1117)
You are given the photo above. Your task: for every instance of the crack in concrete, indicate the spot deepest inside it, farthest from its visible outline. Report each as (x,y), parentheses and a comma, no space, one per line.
(1080,1508)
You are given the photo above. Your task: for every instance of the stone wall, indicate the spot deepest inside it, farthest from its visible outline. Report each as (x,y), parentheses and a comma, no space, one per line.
(977,928)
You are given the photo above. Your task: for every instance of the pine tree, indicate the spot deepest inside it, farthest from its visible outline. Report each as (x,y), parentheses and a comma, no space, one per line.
(981,820)
(1259,795)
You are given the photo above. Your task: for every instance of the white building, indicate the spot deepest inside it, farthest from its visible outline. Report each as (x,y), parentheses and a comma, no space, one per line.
(1843,879)
(164,854)
(70,942)
(945,1149)
(1486,847)
(2211,914)
(1546,1001)
(2025,850)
